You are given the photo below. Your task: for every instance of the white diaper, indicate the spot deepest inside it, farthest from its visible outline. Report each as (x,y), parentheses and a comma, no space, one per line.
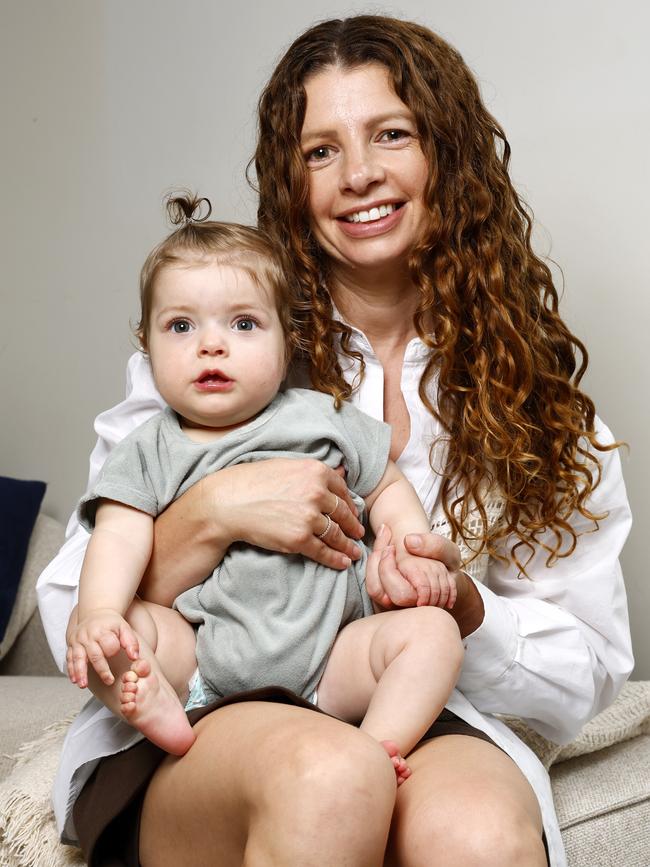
(197,696)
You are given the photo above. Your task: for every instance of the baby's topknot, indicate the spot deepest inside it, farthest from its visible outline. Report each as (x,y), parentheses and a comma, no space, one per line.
(185,207)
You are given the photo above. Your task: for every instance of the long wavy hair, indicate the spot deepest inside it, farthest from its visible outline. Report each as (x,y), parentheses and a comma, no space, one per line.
(508,368)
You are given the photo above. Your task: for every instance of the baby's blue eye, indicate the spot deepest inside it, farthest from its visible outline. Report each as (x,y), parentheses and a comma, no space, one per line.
(181,326)
(245,324)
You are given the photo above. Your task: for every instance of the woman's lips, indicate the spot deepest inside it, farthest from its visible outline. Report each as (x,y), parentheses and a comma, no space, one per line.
(372,227)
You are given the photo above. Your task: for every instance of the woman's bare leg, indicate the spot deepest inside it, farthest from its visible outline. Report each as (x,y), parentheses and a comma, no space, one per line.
(146,691)
(261,787)
(395,670)
(467,804)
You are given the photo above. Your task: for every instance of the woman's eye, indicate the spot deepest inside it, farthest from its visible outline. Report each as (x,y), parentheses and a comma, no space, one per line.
(245,324)
(391,135)
(180,326)
(318,154)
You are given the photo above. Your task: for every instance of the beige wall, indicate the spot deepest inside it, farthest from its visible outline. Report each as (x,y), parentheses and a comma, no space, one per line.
(106,105)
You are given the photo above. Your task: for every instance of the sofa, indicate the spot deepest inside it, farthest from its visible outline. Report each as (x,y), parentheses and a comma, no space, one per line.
(601,781)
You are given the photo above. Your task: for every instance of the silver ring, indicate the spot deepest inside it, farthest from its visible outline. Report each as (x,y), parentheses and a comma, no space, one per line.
(331,511)
(327,528)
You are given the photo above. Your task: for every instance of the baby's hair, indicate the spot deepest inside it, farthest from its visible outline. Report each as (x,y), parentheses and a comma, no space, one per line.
(183,208)
(199,240)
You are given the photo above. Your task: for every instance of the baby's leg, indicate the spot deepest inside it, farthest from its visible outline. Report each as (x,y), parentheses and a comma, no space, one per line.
(148,693)
(394,671)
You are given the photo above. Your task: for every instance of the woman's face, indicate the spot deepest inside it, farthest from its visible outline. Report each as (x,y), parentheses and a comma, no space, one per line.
(367,172)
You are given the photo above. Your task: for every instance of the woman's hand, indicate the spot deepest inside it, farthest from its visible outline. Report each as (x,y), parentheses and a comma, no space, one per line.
(389,589)
(282,505)
(279,504)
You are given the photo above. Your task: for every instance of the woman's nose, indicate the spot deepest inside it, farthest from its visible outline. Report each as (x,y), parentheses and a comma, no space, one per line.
(361,169)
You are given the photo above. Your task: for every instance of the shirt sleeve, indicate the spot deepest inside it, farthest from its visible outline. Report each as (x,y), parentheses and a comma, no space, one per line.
(555,648)
(57,587)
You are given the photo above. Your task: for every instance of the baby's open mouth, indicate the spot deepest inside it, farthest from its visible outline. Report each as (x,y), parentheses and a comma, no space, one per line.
(212,376)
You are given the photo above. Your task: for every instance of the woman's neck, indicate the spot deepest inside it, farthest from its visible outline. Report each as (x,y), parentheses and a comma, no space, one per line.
(383,310)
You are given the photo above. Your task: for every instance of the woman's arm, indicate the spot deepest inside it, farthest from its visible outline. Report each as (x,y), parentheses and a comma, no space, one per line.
(554,648)
(276,504)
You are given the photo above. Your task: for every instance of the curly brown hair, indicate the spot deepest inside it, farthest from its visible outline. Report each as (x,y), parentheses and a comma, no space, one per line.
(508,367)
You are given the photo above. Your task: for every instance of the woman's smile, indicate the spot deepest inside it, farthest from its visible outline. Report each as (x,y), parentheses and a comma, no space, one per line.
(371,221)
(367,171)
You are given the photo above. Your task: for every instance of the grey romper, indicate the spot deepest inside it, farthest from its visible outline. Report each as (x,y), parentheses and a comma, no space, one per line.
(263,618)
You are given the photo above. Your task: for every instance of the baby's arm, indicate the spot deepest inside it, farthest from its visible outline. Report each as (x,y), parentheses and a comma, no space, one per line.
(116,557)
(395,503)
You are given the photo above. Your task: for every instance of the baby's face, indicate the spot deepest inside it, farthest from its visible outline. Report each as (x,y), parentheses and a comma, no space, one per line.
(216,344)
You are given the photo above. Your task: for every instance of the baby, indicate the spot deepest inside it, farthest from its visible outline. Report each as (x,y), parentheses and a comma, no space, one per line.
(215,326)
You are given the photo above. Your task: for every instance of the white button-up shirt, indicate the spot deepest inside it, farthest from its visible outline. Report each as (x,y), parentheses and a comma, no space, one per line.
(553,649)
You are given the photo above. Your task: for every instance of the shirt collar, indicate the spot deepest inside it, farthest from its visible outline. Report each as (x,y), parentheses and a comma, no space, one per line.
(416,351)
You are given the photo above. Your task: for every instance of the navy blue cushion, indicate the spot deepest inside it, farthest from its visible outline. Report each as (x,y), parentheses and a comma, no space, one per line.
(19,505)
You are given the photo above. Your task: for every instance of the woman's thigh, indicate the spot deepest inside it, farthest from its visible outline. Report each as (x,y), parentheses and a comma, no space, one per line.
(466,803)
(268,784)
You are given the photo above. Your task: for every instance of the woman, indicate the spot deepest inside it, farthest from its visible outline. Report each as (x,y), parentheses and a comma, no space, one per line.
(385,180)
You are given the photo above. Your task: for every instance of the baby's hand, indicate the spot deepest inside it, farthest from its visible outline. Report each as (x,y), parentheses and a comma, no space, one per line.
(101,634)
(430,579)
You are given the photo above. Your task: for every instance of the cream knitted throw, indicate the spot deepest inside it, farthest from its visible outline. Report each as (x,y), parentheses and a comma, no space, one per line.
(28,835)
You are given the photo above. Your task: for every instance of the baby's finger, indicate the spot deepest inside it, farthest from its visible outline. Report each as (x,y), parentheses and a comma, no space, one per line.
(70,665)
(419,580)
(453,592)
(129,641)
(399,590)
(434,595)
(424,593)
(98,661)
(109,642)
(443,596)
(79,665)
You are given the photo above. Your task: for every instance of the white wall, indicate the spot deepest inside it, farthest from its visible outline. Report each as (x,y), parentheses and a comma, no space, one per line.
(108,104)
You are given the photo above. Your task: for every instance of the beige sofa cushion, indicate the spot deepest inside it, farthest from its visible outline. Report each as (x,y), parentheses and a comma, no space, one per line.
(28,705)
(603,804)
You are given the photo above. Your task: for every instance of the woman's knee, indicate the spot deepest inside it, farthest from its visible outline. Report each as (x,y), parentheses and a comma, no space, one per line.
(334,760)
(331,783)
(500,838)
(495,835)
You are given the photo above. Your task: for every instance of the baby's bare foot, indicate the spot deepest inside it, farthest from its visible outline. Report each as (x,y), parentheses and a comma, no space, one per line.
(150,705)
(402,770)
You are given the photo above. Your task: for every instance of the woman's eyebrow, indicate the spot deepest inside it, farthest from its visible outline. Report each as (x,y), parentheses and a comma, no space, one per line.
(390,117)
